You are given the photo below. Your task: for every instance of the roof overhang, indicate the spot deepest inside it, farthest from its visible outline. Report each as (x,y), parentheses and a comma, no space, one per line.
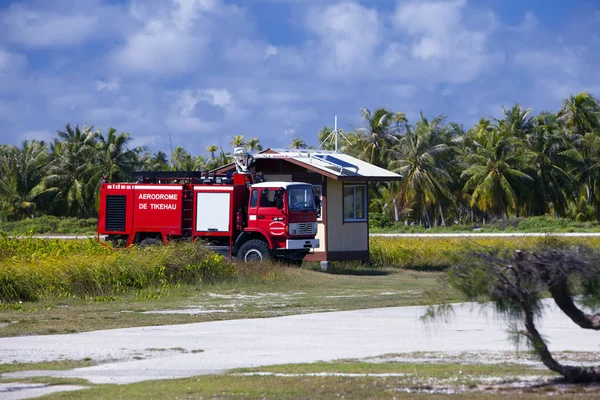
(320,167)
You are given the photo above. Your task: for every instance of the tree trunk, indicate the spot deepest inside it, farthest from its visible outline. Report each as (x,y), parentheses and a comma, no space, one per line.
(563,298)
(570,373)
(396,213)
(442,215)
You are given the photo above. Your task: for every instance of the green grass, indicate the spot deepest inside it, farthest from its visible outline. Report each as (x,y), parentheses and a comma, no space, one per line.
(45,366)
(436,370)
(258,291)
(406,271)
(541,224)
(50,224)
(33,269)
(439,253)
(416,381)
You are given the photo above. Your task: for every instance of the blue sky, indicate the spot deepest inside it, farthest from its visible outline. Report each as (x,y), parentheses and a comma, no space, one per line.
(206,70)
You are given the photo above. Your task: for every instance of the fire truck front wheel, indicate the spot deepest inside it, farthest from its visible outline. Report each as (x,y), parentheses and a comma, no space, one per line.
(254,251)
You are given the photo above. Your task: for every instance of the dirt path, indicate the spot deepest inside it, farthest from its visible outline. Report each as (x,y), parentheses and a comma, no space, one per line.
(185,350)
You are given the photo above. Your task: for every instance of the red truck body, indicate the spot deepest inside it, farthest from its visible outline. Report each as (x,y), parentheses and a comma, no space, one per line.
(251,221)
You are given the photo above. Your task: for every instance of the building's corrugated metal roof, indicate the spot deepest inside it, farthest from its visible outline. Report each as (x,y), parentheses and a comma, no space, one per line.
(338,164)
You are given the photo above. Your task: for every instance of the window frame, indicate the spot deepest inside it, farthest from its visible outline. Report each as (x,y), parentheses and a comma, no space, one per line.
(320,187)
(254,198)
(364,202)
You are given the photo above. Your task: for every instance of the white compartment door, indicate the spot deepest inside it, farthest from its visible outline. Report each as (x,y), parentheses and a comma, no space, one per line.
(212,212)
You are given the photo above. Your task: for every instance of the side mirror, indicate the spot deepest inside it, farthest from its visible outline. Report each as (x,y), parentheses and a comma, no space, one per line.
(317,201)
(279,199)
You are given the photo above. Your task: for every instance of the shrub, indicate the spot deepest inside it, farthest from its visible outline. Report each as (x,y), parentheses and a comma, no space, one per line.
(439,253)
(33,268)
(50,224)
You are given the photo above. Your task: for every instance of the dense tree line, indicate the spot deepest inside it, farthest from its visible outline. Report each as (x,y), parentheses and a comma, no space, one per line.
(518,165)
(62,177)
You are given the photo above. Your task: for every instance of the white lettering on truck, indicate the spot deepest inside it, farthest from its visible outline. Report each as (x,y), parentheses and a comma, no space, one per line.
(157,196)
(163,206)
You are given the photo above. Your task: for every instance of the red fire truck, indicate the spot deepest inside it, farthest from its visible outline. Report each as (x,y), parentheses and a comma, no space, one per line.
(248,220)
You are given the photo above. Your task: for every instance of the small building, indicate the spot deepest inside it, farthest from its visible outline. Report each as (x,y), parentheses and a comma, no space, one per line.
(342,181)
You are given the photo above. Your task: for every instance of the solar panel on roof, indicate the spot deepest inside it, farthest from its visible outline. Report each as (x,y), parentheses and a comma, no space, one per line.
(334,160)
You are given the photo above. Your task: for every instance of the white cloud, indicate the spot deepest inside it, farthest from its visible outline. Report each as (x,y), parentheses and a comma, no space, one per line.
(110,86)
(184,116)
(187,11)
(219,97)
(439,30)
(434,40)
(169,42)
(36,28)
(348,33)
(529,24)
(566,60)
(246,51)
(404,90)
(271,51)
(11,61)
(160,49)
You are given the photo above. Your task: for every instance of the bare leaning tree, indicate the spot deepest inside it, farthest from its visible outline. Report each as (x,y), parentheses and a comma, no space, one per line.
(517,281)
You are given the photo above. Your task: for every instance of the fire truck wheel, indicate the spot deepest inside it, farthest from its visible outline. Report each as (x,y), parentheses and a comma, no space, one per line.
(254,251)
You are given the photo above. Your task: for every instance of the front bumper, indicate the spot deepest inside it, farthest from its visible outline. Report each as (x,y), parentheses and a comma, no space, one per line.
(299,244)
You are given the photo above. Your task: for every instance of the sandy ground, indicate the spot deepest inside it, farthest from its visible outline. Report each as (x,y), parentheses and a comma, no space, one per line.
(137,354)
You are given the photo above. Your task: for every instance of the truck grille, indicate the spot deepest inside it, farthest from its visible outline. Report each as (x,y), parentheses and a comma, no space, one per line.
(303,228)
(115,213)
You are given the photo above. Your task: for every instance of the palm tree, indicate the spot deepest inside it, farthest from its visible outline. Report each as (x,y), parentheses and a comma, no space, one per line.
(223,159)
(493,175)
(377,138)
(181,160)
(517,122)
(254,144)
(212,149)
(115,160)
(549,154)
(325,138)
(580,114)
(21,173)
(420,158)
(238,141)
(586,168)
(481,131)
(71,171)
(298,143)
(157,162)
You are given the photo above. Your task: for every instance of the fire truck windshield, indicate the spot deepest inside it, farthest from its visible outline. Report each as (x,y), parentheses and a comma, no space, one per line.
(301,198)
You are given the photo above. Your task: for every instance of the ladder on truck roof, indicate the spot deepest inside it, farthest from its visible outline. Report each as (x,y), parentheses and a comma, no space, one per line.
(200,177)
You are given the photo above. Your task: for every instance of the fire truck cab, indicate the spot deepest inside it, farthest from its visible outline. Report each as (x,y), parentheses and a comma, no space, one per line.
(247,220)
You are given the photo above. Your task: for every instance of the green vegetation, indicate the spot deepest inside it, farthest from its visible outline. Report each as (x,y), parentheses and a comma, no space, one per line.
(53,286)
(50,224)
(438,253)
(45,366)
(518,166)
(31,269)
(300,382)
(257,291)
(516,281)
(541,224)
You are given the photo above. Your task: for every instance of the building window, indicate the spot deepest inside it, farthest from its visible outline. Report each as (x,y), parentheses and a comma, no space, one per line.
(355,201)
(318,191)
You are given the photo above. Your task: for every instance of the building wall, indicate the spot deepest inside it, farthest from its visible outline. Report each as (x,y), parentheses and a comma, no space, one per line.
(277,177)
(346,241)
